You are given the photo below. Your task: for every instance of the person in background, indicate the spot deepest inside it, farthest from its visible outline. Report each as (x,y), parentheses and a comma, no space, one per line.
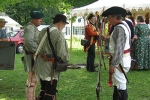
(3,36)
(91,34)
(130,22)
(129,17)
(141,44)
(119,48)
(44,69)
(30,45)
(130,26)
(147,19)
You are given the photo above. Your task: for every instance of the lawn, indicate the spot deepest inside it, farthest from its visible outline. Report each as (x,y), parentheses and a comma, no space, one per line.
(74,84)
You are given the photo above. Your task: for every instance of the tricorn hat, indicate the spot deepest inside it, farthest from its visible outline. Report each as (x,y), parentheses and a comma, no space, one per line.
(90,16)
(61,17)
(36,15)
(129,13)
(3,20)
(114,10)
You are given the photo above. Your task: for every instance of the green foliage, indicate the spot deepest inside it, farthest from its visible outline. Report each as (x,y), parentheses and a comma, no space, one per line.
(73,18)
(19,9)
(21,12)
(76,4)
(62,4)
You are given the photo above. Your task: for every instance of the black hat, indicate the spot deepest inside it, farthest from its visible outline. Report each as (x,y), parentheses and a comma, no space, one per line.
(129,13)
(114,10)
(61,17)
(36,15)
(90,16)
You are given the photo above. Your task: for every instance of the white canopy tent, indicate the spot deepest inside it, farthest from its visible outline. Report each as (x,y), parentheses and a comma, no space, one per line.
(11,24)
(136,7)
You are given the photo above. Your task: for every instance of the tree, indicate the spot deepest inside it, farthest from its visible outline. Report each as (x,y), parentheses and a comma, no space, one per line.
(21,13)
(47,3)
(20,9)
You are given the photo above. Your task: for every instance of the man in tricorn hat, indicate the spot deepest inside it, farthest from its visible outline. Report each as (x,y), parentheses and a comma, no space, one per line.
(30,45)
(3,36)
(119,47)
(44,68)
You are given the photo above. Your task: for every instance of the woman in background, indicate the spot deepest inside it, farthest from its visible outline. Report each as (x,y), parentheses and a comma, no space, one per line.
(141,44)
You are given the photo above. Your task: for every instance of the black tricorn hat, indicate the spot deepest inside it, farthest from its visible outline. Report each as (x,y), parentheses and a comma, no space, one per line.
(114,10)
(61,17)
(129,13)
(36,15)
(90,16)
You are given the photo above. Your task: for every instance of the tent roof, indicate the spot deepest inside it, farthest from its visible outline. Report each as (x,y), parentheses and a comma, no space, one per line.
(136,7)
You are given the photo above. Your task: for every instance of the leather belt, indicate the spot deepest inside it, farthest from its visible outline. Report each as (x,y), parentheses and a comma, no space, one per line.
(119,68)
(126,51)
(47,57)
(27,52)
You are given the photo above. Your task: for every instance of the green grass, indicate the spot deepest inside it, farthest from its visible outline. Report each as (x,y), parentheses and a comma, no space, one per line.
(74,84)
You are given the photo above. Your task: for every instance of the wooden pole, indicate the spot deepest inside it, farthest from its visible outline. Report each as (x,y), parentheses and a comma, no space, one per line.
(71,37)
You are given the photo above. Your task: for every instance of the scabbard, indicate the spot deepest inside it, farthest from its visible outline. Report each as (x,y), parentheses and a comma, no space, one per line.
(123,73)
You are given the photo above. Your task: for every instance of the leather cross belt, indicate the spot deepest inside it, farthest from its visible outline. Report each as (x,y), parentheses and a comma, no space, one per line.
(47,57)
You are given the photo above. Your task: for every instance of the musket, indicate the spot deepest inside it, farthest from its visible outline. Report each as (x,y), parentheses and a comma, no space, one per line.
(100,57)
(103,60)
(100,38)
(98,90)
(98,78)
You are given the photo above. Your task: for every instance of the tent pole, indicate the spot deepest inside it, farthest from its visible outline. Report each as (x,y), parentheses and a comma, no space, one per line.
(71,37)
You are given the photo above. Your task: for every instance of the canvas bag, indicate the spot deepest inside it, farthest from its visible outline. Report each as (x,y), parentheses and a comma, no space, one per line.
(58,65)
(85,42)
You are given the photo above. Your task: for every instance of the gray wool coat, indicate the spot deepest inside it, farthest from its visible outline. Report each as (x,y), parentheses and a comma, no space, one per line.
(43,68)
(30,44)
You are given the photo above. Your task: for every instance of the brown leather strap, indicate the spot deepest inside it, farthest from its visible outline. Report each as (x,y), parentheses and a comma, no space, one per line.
(52,73)
(53,96)
(119,68)
(28,53)
(1,65)
(47,57)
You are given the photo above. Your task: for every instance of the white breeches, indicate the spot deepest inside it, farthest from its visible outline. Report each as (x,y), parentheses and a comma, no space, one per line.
(119,80)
